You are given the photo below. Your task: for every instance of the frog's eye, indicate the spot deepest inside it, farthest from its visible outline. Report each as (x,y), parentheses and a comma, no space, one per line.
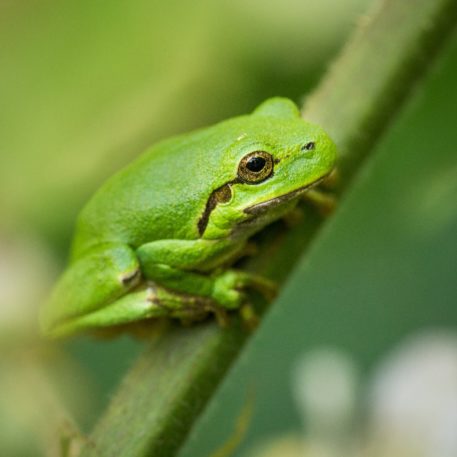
(255,167)
(308,146)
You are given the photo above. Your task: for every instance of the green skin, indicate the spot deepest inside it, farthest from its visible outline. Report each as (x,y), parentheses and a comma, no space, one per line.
(158,238)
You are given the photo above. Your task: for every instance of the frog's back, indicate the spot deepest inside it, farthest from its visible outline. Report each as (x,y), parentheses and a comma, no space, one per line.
(161,195)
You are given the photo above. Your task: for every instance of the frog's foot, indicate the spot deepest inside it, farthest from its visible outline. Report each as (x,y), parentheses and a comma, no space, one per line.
(321,197)
(250,249)
(185,307)
(294,217)
(230,287)
(324,202)
(266,287)
(249,316)
(331,181)
(190,315)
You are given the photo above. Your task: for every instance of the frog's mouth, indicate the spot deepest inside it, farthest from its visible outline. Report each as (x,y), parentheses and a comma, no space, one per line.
(260,208)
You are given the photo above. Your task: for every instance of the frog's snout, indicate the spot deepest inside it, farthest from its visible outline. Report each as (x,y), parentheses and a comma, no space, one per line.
(328,154)
(321,150)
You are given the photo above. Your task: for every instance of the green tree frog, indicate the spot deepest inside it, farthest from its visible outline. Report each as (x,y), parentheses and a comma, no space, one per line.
(159,237)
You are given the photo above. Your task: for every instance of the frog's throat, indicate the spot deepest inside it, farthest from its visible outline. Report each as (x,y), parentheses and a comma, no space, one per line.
(260,208)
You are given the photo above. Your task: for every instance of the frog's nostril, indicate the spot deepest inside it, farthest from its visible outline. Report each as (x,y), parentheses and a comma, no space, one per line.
(309,146)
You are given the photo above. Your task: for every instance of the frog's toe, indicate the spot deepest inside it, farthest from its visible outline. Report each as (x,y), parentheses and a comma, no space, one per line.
(249,316)
(230,298)
(230,288)
(264,286)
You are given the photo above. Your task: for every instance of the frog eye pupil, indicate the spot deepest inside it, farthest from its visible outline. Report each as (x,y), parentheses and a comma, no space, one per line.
(255,164)
(255,167)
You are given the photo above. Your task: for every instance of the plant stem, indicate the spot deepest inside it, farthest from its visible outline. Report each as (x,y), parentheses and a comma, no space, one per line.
(167,388)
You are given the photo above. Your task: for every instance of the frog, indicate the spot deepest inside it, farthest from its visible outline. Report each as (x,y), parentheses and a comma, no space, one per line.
(160,237)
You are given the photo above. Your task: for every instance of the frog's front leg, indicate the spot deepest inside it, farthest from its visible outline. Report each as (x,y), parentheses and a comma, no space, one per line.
(319,196)
(178,265)
(323,201)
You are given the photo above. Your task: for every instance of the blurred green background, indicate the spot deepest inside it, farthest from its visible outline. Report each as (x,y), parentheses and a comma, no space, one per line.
(86,86)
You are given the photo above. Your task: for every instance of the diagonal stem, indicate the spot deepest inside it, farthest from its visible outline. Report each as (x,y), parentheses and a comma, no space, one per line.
(166,389)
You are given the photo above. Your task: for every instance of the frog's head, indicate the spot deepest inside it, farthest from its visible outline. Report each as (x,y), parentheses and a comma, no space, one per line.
(275,157)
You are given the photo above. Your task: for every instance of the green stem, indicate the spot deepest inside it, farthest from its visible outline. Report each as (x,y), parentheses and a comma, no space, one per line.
(167,388)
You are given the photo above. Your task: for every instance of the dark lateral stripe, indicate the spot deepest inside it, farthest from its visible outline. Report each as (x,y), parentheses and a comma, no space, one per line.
(220,195)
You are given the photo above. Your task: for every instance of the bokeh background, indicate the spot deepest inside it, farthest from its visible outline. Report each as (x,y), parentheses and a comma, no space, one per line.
(86,86)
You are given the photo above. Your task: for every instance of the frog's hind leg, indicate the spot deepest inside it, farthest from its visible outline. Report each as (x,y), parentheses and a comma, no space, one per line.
(89,284)
(131,307)
(145,302)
